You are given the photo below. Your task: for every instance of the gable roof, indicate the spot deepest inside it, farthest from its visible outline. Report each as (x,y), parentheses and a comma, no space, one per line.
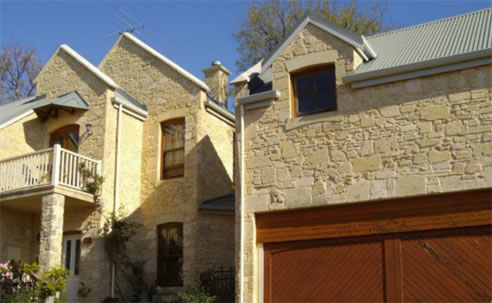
(167,61)
(17,110)
(444,45)
(462,34)
(89,66)
(69,101)
(343,34)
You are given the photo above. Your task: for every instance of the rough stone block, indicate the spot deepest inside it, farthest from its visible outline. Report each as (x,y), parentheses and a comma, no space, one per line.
(364,164)
(434,112)
(438,156)
(338,155)
(288,150)
(358,192)
(410,185)
(318,157)
(298,197)
(455,128)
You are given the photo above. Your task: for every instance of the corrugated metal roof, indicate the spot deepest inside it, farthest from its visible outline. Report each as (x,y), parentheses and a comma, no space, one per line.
(123,95)
(222,205)
(437,39)
(15,109)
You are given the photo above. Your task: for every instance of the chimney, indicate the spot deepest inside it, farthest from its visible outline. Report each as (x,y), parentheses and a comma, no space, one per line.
(216,80)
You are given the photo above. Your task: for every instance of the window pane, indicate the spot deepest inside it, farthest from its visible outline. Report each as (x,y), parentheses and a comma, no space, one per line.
(68,254)
(325,80)
(77,257)
(170,255)
(173,172)
(323,94)
(173,136)
(305,84)
(326,100)
(306,103)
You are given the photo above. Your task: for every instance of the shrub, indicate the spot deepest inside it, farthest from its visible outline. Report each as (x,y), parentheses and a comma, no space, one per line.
(21,282)
(92,182)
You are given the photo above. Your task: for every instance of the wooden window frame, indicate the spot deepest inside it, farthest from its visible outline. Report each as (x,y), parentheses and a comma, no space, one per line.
(72,128)
(176,121)
(160,274)
(308,71)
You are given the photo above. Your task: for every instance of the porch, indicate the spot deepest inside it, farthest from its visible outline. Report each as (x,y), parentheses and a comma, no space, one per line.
(42,195)
(51,170)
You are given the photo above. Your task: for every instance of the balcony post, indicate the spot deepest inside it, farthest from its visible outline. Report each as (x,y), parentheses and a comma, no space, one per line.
(56,165)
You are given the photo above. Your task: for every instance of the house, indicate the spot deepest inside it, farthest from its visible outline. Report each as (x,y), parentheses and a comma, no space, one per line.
(163,141)
(366,165)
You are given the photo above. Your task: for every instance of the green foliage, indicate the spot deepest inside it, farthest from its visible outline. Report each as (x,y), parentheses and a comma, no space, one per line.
(197,294)
(23,283)
(92,182)
(117,234)
(269,22)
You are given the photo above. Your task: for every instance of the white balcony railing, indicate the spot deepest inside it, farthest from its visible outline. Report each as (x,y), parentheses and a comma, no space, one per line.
(52,166)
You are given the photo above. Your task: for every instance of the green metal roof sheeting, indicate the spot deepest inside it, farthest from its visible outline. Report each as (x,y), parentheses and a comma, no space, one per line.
(14,109)
(438,39)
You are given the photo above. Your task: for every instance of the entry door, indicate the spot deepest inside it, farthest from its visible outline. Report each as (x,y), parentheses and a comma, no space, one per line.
(170,255)
(67,137)
(71,260)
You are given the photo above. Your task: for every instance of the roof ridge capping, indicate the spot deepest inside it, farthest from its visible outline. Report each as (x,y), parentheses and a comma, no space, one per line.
(167,61)
(360,44)
(428,23)
(84,62)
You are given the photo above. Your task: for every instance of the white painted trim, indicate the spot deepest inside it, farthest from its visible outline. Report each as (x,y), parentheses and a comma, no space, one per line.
(272,94)
(130,107)
(368,48)
(245,76)
(306,21)
(439,62)
(219,116)
(128,112)
(421,73)
(167,61)
(18,118)
(221,111)
(242,197)
(97,72)
(260,104)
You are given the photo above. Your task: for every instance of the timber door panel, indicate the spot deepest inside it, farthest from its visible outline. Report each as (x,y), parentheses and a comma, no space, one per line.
(346,270)
(447,266)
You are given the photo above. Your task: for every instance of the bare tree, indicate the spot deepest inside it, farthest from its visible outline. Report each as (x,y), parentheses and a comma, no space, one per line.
(19,66)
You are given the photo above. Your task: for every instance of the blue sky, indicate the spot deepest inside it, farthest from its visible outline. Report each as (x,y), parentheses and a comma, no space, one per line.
(191,33)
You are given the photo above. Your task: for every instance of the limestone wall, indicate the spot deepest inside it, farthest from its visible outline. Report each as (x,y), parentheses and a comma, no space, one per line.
(215,156)
(61,75)
(168,95)
(426,135)
(22,137)
(16,232)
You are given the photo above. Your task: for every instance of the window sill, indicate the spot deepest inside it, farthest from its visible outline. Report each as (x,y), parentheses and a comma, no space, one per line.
(300,121)
(171,180)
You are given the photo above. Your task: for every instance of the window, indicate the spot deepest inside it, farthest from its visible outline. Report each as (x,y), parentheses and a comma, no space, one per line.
(315,90)
(173,148)
(170,254)
(67,137)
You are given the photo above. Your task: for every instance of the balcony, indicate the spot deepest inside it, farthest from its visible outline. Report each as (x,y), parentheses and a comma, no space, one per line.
(54,169)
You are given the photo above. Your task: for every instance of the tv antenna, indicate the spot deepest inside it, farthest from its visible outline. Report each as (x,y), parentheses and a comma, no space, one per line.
(127,26)
(131,25)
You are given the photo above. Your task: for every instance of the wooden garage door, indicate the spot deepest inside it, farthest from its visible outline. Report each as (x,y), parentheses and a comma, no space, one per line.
(432,263)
